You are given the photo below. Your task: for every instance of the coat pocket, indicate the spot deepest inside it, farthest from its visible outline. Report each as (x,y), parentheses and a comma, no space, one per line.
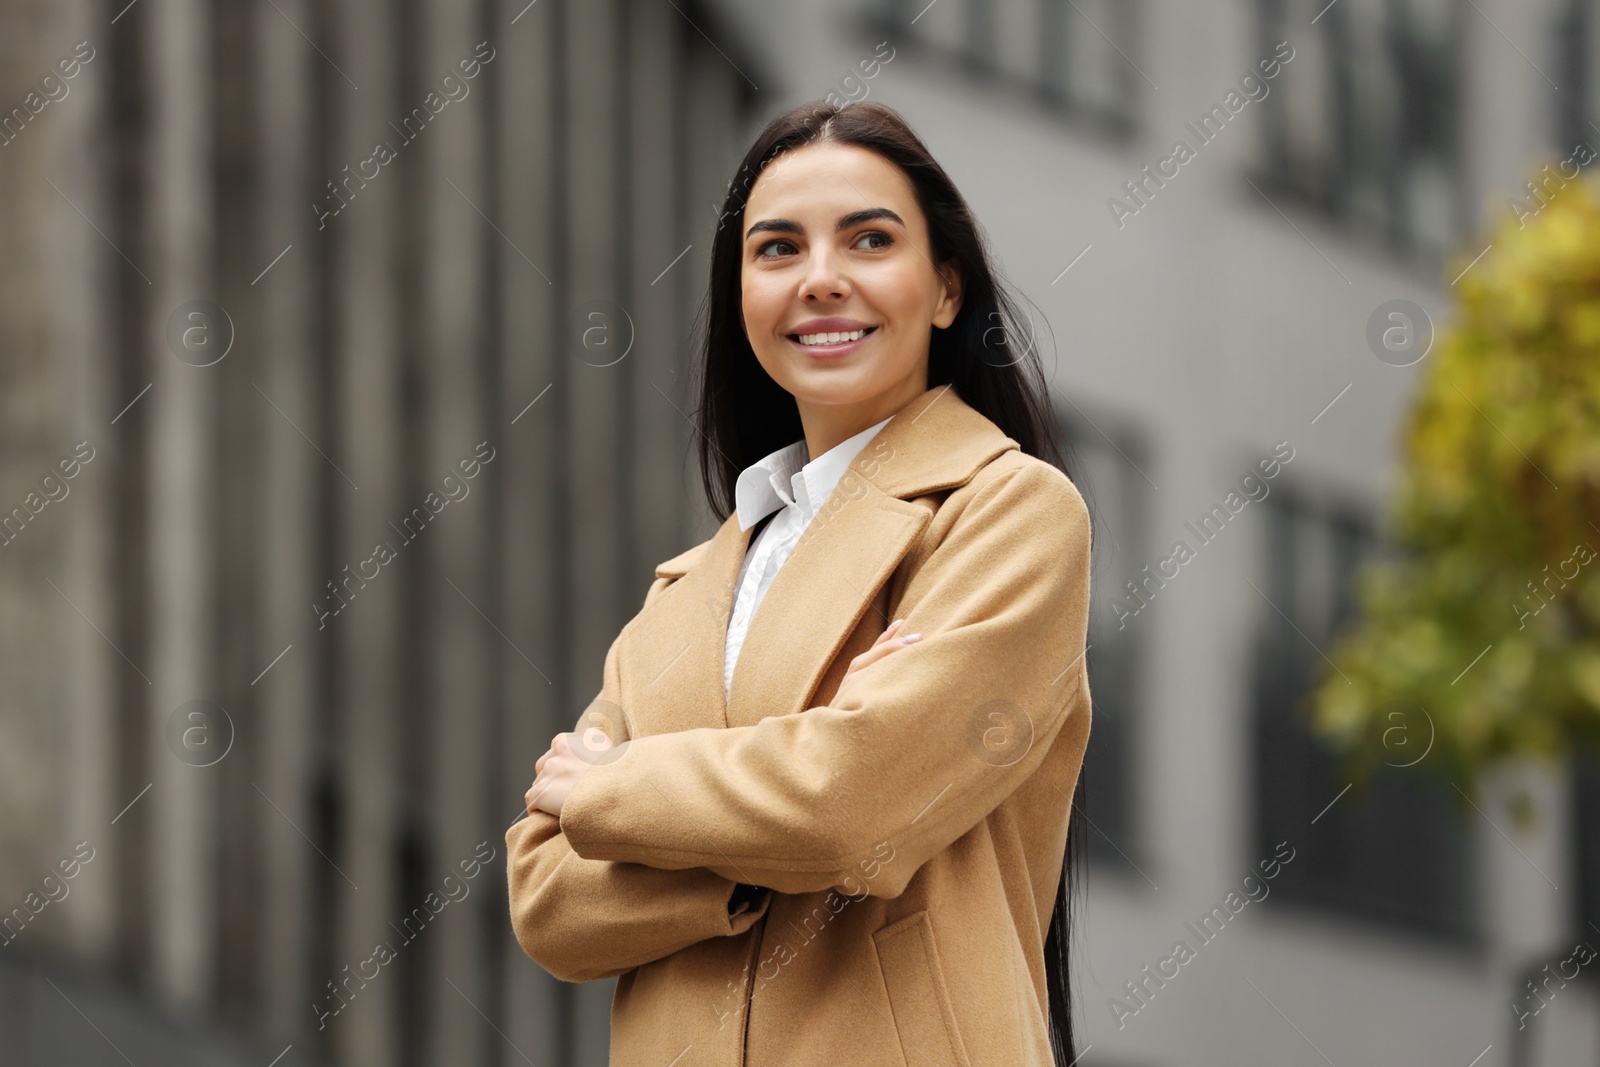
(923,1016)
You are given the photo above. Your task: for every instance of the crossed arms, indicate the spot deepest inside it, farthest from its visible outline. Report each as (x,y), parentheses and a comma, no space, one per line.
(915,751)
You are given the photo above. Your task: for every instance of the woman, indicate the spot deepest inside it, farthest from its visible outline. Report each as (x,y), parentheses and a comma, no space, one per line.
(830,831)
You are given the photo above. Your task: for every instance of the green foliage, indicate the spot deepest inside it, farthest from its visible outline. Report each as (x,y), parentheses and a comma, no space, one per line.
(1497,519)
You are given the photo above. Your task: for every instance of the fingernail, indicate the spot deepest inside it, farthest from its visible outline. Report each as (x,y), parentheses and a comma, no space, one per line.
(910,638)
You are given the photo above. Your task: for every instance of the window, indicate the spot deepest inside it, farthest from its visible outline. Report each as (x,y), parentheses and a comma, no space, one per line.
(1075,57)
(1586,834)
(1577,50)
(1104,469)
(1364,125)
(1396,854)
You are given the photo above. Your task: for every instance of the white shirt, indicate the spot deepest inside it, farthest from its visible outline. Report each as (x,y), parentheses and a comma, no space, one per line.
(780,483)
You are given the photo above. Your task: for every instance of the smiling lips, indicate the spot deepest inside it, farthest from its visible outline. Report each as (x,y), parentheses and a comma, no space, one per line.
(831,338)
(831,344)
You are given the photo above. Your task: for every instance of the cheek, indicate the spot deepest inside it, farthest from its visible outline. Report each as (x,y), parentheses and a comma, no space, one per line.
(760,307)
(903,298)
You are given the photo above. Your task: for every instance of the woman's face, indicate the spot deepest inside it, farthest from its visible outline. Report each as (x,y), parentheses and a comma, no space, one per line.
(840,293)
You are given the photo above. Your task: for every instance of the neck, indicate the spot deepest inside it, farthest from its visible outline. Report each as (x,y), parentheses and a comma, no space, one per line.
(827,425)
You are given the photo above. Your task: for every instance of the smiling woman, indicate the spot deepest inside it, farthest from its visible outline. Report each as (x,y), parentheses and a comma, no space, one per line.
(814,250)
(892,667)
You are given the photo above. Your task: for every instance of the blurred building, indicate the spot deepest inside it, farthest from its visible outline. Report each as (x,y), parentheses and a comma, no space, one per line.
(1209,306)
(307,280)
(282,345)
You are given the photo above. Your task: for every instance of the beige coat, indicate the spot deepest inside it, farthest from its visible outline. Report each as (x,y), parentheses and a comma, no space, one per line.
(910,822)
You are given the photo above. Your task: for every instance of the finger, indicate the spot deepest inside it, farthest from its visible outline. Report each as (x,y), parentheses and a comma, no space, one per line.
(537,790)
(547,799)
(893,645)
(871,656)
(883,640)
(877,652)
(887,634)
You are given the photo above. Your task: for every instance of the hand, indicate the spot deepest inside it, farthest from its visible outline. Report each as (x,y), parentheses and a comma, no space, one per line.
(885,645)
(569,758)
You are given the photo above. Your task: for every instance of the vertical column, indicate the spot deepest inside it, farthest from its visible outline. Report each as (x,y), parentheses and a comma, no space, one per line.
(1505,95)
(1526,917)
(459,444)
(182,482)
(32,614)
(657,378)
(528,267)
(240,418)
(291,475)
(368,432)
(82,341)
(710,92)
(693,207)
(593,454)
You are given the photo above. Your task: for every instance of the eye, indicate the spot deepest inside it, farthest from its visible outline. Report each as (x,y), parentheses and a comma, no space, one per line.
(877,235)
(761,250)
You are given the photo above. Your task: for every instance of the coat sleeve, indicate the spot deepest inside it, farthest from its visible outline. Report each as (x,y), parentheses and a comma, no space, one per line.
(912,752)
(584,919)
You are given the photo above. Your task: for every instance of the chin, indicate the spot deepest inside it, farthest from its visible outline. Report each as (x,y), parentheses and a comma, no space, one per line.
(831,386)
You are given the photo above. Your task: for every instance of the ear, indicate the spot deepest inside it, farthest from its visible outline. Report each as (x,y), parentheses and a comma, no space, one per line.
(944,313)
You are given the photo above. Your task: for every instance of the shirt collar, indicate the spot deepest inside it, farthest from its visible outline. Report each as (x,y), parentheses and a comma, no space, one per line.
(784,477)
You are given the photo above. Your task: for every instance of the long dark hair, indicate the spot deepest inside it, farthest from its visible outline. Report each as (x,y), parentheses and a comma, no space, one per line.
(985,354)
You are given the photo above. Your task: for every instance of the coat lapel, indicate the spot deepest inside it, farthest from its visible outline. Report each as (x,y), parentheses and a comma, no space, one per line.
(672,673)
(865,529)
(672,669)
(816,600)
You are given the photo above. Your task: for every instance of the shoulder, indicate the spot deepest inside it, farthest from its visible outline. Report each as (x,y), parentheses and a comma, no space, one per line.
(679,565)
(669,571)
(1016,488)
(1018,522)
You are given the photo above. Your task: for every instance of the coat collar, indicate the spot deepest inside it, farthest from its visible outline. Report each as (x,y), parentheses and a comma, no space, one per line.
(786,475)
(865,528)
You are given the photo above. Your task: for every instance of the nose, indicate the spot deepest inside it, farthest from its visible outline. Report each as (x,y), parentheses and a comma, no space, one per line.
(825,278)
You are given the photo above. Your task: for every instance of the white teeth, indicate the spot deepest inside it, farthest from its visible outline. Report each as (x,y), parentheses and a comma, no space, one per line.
(831,338)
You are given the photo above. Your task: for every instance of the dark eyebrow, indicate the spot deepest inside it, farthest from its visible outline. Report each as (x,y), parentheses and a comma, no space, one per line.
(772,226)
(855,218)
(869,215)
